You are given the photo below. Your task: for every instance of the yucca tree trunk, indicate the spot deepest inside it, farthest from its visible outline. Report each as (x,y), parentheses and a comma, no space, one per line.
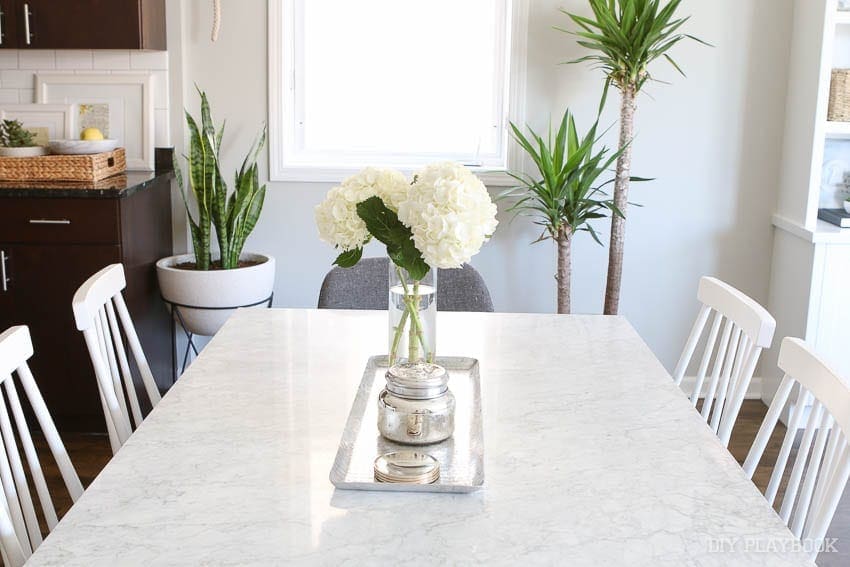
(565,244)
(621,200)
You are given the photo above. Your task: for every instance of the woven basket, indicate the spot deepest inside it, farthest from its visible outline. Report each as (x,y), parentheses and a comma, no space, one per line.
(839,96)
(63,168)
(115,182)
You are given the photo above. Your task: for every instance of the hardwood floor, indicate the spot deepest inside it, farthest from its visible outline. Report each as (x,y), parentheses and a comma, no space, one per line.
(90,453)
(749,421)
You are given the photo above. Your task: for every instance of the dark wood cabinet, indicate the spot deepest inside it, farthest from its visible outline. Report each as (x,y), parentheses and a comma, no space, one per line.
(83,24)
(45,263)
(8,24)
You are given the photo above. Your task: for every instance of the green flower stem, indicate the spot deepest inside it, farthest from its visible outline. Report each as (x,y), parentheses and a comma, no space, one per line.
(399,329)
(413,309)
(416,332)
(416,324)
(403,320)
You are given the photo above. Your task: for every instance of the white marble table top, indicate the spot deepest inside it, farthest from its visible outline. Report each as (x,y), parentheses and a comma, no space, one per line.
(592,457)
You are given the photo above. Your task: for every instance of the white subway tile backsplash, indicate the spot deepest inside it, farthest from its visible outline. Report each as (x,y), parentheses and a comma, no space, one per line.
(74,59)
(8,58)
(36,59)
(18,69)
(111,59)
(13,79)
(149,60)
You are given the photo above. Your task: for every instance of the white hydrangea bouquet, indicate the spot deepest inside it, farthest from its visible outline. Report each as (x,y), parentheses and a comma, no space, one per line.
(439,220)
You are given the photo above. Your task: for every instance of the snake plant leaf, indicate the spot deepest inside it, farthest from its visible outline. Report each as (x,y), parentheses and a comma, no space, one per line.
(252,212)
(219,135)
(178,176)
(216,185)
(219,211)
(234,215)
(194,229)
(200,182)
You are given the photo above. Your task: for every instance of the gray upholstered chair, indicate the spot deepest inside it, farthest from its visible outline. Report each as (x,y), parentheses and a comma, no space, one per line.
(366,286)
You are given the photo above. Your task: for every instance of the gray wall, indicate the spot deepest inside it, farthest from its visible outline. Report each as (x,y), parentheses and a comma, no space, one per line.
(712,141)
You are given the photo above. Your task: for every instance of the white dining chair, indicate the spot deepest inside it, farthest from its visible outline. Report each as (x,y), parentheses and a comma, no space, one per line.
(820,471)
(748,329)
(20,532)
(101,314)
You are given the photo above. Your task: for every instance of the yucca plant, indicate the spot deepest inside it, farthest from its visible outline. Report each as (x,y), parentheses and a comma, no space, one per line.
(564,195)
(626,36)
(235,215)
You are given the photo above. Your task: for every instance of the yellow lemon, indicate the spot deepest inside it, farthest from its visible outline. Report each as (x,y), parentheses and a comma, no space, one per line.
(91,134)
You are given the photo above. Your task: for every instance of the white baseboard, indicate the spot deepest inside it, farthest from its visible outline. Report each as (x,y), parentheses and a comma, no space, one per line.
(754,392)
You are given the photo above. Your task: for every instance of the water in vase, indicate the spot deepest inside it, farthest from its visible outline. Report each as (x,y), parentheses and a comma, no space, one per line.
(412,321)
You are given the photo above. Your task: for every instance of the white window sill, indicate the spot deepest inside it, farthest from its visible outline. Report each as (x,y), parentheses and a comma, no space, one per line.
(490,177)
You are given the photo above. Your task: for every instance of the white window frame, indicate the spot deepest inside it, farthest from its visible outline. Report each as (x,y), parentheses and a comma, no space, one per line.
(281,41)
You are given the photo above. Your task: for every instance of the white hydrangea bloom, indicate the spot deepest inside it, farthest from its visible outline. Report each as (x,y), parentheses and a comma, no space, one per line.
(450,214)
(336,216)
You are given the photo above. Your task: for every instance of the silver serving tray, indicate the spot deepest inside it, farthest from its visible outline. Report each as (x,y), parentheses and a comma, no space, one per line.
(461,456)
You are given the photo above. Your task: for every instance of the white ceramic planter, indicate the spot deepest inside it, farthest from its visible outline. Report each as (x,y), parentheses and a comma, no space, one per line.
(214,288)
(847,206)
(29,151)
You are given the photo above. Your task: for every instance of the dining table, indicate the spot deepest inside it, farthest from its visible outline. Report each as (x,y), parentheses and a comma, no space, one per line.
(592,456)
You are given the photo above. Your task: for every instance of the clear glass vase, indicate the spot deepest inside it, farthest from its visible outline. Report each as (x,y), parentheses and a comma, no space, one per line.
(412,317)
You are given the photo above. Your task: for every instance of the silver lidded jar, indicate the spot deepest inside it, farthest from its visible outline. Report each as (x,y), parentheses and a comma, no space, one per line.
(416,407)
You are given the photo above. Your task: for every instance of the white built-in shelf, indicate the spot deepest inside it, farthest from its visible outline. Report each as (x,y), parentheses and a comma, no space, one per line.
(843,17)
(823,233)
(838,130)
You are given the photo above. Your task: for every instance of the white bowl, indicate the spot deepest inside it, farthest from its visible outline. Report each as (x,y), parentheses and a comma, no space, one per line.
(29,151)
(76,147)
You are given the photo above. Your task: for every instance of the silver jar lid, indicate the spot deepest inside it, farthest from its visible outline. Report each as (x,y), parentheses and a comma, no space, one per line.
(420,381)
(408,467)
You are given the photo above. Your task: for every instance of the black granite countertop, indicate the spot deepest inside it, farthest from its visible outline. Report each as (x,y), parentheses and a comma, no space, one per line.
(115,187)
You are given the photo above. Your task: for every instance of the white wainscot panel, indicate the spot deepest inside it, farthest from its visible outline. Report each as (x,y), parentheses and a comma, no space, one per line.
(833,328)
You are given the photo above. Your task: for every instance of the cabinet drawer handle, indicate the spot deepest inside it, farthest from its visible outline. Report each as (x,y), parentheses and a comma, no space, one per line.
(2,15)
(3,277)
(27,13)
(50,221)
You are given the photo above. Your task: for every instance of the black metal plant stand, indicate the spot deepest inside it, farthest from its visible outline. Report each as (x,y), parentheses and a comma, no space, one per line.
(190,342)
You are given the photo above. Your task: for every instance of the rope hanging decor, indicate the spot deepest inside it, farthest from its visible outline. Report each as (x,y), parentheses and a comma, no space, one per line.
(216,19)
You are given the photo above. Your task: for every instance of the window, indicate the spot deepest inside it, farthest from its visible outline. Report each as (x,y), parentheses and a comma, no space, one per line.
(395,83)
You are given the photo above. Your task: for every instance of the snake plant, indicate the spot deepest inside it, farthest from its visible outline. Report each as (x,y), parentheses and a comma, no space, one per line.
(233,215)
